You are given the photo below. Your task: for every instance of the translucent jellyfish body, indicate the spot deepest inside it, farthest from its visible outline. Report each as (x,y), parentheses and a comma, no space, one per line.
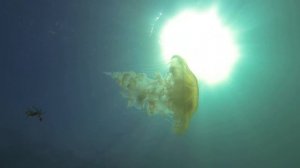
(176,94)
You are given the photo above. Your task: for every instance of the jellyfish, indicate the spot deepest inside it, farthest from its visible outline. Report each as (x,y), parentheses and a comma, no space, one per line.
(175,94)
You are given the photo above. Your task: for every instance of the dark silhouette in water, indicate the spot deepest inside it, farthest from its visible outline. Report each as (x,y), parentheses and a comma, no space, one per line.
(34,112)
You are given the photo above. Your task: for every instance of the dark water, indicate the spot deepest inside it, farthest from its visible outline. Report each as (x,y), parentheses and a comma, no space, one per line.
(53,53)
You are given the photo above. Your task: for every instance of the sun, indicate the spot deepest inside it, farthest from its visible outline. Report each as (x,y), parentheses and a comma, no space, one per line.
(207,45)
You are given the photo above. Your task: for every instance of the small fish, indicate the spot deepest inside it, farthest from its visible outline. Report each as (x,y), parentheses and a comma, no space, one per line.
(34,112)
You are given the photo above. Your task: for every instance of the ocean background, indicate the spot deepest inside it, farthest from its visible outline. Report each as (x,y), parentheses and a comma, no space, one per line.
(53,55)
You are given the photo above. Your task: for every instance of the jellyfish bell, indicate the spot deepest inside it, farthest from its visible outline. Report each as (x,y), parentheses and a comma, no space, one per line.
(176,94)
(183,93)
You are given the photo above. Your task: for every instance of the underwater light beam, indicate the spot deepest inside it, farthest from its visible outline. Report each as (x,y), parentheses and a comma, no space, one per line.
(205,43)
